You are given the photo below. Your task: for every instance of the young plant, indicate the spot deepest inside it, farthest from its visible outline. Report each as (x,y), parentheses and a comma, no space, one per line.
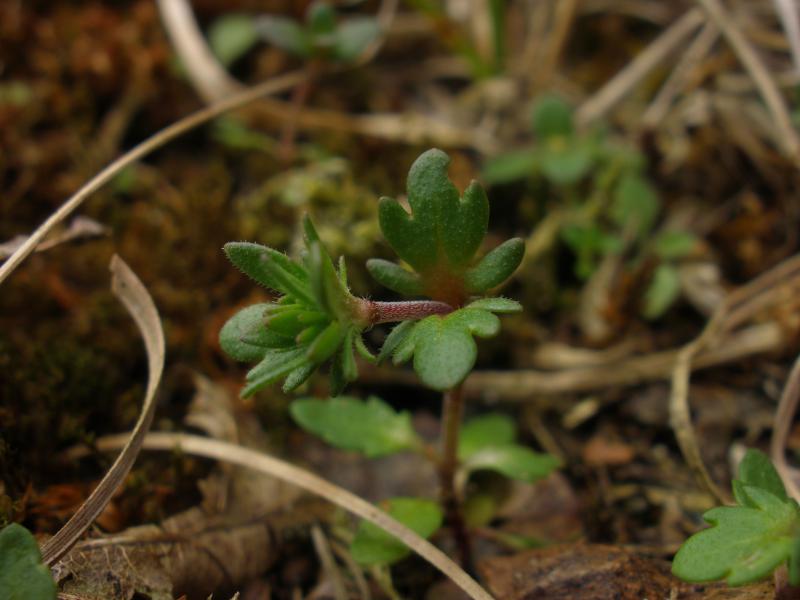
(316,318)
(746,542)
(620,214)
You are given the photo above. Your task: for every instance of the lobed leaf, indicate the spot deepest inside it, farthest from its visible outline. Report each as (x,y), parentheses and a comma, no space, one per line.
(395,277)
(744,543)
(497,266)
(757,470)
(22,574)
(372,427)
(439,219)
(513,461)
(373,546)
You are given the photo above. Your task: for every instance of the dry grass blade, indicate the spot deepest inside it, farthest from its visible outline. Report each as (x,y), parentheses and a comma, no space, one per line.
(784,416)
(616,89)
(740,306)
(784,129)
(263,463)
(130,291)
(152,143)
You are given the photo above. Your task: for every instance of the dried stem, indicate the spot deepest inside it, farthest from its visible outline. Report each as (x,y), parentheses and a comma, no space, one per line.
(452,411)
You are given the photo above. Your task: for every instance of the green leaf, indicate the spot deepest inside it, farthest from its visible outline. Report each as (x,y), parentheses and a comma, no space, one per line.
(478,322)
(672,245)
(372,427)
(588,242)
(231,36)
(271,269)
(362,349)
(326,343)
(22,574)
(513,461)
(497,305)
(443,355)
(511,166)
(635,205)
(321,18)
(326,283)
(245,336)
(551,117)
(353,36)
(497,266)
(395,339)
(274,365)
(395,277)
(485,431)
(756,470)
(298,377)
(743,544)
(373,546)
(565,163)
(287,34)
(439,218)
(664,289)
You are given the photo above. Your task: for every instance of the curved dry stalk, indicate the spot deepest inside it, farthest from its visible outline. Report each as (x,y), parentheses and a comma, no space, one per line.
(132,293)
(784,415)
(211,80)
(152,143)
(784,129)
(263,463)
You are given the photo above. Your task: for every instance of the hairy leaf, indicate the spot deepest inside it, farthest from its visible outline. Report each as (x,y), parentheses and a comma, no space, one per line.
(373,546)
(245,337)
(372,427)
(497,266)
(396,337)
(271,269)
(499,305)
(274,365)
(22,574)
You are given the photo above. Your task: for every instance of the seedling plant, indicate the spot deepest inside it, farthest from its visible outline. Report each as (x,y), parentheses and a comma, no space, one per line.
(610,206)
(317,320)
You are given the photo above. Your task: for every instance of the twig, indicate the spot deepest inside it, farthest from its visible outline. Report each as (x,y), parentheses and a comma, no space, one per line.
(784,416)
(134,296)
(141,150)
(263,463)
(784,128)
(622,83)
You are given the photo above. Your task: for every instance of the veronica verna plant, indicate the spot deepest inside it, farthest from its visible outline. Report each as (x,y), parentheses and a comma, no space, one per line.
(316,319)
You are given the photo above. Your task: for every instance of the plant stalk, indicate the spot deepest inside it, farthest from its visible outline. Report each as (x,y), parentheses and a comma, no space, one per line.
(374,313)
(452,411)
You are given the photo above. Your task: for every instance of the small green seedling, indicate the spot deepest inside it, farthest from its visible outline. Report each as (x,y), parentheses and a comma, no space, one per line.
(746,542)
(620,214)
(316,319)
(22,574)
(322,35)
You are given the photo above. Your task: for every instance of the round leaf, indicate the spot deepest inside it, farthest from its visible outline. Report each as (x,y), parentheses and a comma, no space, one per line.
(22,574)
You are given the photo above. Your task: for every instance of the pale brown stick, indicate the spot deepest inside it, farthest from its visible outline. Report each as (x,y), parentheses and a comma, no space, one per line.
(784,416)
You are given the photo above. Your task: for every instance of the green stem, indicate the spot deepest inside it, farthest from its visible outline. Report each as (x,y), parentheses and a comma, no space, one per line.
(452,411)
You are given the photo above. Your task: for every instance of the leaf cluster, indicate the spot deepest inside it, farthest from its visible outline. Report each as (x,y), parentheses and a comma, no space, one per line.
(322,35)
(373,428)
(746,542)
(622,208)
(315,319)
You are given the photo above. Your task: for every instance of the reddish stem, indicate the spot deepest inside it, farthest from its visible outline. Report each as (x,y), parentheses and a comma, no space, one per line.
(374,313)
